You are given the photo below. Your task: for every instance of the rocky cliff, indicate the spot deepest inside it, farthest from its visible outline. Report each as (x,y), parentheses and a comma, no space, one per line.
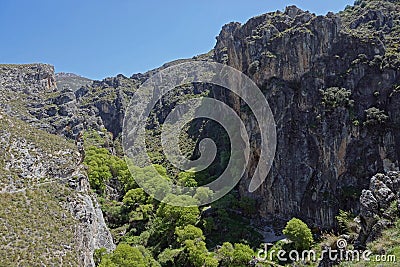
(332,82)
(48,213)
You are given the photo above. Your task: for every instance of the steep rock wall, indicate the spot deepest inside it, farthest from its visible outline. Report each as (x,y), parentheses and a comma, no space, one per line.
(325,152)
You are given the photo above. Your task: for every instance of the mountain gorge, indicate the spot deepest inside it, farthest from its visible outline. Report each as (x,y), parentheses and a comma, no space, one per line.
(333,85)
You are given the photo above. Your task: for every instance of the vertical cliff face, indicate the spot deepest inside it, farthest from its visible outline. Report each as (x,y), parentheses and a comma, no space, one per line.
(332,84)
(277,44)
(48,213)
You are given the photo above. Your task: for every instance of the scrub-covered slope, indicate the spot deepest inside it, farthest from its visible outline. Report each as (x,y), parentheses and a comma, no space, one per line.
(48,215)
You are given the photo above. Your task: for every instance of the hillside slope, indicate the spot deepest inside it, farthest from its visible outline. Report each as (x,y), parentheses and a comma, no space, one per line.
(48,215)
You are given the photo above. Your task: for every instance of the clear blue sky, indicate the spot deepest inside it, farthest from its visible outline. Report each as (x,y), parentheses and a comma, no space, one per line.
(101,38)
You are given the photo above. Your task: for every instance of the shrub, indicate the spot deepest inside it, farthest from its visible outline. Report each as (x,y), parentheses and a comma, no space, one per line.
(102,166)
(189,232)
(375,116)
(242,255)
(393,210)
(298,232)
(336,97)
(225,254)
(345,220)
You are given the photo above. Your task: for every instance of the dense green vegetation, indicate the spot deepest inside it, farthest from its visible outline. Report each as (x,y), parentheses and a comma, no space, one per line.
(103,166)
(152,233)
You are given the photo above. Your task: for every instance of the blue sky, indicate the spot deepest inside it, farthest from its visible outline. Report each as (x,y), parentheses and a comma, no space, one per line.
(102,38)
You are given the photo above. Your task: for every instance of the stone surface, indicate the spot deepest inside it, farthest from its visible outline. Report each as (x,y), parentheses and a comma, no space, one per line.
(379,206)
(324,154)
(33,162)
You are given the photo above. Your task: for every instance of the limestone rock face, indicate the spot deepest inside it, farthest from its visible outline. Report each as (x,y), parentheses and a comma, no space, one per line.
(30,78)
(283,45)
(379,205)
(326,149)
(55,217)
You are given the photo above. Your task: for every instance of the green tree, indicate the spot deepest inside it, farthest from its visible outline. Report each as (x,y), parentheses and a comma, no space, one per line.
(375,116)
(298,232)
(225,254)
(119,170)
(123,256)
(242,255)
(99,172)
(169,257)
(189,232)
(192,240)
(98,255)
(187,179)
(107,262)
(248,206)
(114,212)
(134,197)
(198,254)
(102,166)
(174,216)
(336,97)
(127,256)
(203,194)
(153,178)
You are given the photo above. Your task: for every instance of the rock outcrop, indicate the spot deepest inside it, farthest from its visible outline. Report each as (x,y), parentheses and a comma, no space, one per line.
(71,81)
(379,206)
